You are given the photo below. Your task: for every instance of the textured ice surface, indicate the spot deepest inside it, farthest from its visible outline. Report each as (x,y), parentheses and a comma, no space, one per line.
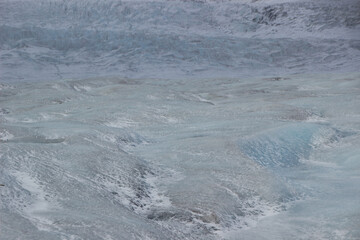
(179,119)
(223,158)
(175,39)
(286,146)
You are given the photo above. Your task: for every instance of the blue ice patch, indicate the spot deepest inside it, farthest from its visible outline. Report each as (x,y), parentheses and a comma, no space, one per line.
(283,146)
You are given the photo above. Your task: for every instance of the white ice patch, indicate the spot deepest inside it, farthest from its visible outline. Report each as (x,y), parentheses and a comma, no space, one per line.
(250,221)
(82,88)
(162,116)
(5,135)
(316,119)
(52,116)
(157,198)
(5,86)
(141,197)
(120,123)
(40,205)
(21,120)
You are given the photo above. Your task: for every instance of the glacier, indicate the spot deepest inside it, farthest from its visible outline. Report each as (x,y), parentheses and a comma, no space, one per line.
(152,119)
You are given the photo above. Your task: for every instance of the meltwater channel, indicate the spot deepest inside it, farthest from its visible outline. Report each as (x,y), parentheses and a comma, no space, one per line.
(154,119)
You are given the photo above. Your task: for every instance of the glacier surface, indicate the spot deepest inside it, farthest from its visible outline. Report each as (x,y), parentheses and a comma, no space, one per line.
(176,119)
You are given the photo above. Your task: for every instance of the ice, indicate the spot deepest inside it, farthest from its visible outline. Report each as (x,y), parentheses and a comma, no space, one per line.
(175,39)
(5,135)
(286,146)
(262,151)
(281,147)
(178,119)
(40,205)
